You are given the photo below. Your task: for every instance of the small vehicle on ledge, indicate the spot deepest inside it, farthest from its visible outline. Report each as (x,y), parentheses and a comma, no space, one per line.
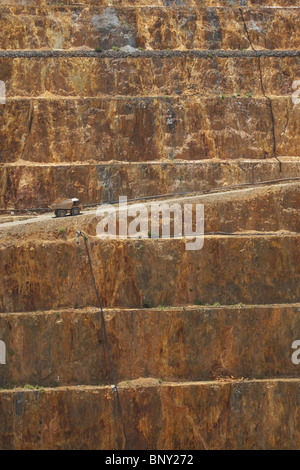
(63,207)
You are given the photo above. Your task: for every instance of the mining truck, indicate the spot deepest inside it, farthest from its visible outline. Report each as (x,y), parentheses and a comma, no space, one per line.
(63,207)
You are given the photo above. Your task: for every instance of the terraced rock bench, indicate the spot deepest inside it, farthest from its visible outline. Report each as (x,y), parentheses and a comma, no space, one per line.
(201,342)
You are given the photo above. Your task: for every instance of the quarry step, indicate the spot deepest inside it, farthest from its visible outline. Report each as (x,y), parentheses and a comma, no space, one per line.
(53,78)
(124,53)
(146,129)
(140,99)
(154,27)
(237,209)
(67,347)
(25,185)
(150,272)
(155,3)
(258,414)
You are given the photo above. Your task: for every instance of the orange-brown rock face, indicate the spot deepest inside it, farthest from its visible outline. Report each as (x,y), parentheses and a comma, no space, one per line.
(46,78)
(182,102)
(250,215)
(66,347)
(24,186)
(137,110)
(124,272)
(160,3)
(204,416)
(147,129)
(148,27)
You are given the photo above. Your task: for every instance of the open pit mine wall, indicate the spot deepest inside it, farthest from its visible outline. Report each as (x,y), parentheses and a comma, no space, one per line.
(176,107)
(200,340)
(24,186)
(128,279)
(146,129)
(154,27)
(171,343)
(62,418)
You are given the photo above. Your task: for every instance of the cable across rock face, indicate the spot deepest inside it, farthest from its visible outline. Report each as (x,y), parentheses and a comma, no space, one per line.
(79,234)
(263,91)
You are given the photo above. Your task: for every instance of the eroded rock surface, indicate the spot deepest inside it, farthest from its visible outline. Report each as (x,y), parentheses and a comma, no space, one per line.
(201,341)
(150,27)
(66,347)
(192,416)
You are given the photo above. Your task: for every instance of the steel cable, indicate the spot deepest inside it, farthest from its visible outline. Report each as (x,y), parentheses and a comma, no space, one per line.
(216,190)
(263,90)
(84,236)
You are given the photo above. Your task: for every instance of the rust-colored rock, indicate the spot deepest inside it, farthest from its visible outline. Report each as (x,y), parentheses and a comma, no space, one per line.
(200,341)
(161,3)
(59,77)
(149,27)
(191,343)
(238,209)
(249,269)
(28,186)
(207,415)
(146,129)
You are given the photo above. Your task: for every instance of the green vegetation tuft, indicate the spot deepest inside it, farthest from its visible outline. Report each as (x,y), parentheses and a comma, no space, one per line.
(34,387)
